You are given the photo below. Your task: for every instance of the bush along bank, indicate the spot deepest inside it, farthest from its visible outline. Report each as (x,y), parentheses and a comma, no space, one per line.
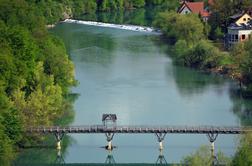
(188,35)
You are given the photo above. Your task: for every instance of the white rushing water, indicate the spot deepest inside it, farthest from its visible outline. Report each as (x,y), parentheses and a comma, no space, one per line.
(117,26)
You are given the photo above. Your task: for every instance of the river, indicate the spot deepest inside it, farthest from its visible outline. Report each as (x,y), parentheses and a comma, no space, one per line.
(131,75)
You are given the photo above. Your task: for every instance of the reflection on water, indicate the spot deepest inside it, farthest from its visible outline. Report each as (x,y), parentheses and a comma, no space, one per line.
(110,158)
(190,82)
(242,107)
(59,158)
(161,158)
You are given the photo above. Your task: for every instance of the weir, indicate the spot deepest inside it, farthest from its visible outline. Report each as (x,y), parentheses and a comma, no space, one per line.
(116,26)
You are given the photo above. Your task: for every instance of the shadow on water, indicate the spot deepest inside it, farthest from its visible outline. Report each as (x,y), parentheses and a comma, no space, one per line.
(68,110)
(56,157)
(189,81)
(242,107)
(136,46)
(45,153)
(92,47)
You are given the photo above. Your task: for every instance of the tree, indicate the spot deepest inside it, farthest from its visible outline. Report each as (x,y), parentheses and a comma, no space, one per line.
(242,64)
(243,156)
(57,63)
(185,27)
(43,105)
(9,128)
(203,157)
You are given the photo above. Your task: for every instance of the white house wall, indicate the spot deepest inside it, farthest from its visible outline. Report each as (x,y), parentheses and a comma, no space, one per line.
(185,11)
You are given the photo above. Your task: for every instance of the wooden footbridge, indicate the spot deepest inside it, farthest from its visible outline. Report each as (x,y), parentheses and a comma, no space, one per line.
(144,129)
(109,128)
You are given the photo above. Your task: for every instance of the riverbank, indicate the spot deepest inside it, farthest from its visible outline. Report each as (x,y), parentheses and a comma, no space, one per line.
(191,48)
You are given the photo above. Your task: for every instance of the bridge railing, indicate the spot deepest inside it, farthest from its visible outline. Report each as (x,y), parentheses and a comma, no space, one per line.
(140,129)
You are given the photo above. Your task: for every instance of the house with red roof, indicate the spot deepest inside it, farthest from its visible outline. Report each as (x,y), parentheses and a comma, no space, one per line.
(240,30)
(195,8)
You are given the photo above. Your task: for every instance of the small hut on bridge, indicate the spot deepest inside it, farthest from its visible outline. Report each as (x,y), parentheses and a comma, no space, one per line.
(109,120)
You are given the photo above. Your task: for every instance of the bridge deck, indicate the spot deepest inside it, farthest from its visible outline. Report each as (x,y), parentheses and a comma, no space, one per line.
(141,129)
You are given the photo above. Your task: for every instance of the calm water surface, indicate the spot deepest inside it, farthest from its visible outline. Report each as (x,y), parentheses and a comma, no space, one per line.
(130,74)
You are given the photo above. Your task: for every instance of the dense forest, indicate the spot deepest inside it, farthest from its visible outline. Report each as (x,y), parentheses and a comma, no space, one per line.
(36,74)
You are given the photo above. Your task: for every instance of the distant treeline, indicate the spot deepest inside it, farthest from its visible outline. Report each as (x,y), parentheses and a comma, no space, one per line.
(54,10)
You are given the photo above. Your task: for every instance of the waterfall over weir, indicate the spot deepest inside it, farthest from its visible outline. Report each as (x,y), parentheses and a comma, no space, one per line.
(117,26)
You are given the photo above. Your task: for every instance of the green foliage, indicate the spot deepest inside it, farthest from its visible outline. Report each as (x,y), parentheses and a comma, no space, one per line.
(243,155)
(138,3)
(57,63)
(19,52)
(42,106)
(83,7)
(180,27)
(204,55)
(130,4)
(108,5)
(201,55)
(242,64)
(203,157)
(218,33)
(188,34)
(35,70)
(7,138)
(6,149)
(154,2)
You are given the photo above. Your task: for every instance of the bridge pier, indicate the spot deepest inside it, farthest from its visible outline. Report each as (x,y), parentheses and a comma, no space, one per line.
(59,136)
(110,159)
(161,159)
(59,158)
(109,140)
(212,137)
(160,137)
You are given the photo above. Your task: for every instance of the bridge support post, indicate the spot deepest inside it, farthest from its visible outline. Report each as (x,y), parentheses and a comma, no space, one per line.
(161,159)
(59,158)
(160,137)
(109,140)
(110,159)
(212,137)
(59,136)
